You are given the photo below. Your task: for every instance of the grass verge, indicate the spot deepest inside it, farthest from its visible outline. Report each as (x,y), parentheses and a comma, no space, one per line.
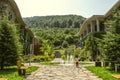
(49,63)
(11,73)
(32,69)
(104,73)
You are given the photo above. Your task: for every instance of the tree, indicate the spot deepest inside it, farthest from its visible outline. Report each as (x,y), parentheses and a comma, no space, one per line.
(47,49)
(69,39)
(70,23)
(10,47)
(76,24)
(110,45)
(65,44)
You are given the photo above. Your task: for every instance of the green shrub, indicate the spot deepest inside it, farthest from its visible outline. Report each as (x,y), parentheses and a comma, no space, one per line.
(65,44)
(41,58)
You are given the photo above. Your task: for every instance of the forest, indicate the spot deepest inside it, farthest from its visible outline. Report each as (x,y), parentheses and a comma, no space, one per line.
(58,37)
(59,30)
(55,33)
(59,21)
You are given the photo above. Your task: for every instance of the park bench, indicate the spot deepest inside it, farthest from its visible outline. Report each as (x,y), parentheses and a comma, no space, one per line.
(117,76)
(3,79)
(21,69)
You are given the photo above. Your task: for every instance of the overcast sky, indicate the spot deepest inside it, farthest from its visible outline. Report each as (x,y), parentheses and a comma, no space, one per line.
(85,8)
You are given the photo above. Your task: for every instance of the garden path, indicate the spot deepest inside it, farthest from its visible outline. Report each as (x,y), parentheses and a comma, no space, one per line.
(47,72)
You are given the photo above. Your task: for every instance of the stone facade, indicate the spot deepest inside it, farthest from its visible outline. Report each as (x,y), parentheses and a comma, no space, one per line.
(9,9)
(6,10)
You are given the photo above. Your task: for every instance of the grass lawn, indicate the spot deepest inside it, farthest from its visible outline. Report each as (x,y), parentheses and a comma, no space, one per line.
(104,73)
(11,73)
(49,63)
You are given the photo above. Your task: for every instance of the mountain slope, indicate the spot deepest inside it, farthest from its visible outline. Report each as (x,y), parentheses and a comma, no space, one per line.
(60,21)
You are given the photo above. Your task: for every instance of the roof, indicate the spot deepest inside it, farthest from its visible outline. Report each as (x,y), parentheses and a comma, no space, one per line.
(98,17)
(87,21)
(16,11)
(110,11)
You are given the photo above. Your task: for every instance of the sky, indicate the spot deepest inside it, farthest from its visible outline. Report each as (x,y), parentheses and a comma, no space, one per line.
(85,8)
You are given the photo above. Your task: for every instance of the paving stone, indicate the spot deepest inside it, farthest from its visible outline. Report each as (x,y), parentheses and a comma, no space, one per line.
(62,73)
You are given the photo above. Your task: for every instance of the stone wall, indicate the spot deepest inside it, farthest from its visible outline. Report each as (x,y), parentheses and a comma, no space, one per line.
(7,11)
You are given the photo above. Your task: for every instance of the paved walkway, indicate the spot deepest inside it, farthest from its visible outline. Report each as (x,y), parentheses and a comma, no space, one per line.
(62,73)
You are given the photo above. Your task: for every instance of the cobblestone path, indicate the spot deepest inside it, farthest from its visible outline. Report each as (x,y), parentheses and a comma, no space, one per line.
(62,73)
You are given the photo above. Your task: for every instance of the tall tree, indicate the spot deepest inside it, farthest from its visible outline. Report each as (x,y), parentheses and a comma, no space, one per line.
(111,42)
(10,46)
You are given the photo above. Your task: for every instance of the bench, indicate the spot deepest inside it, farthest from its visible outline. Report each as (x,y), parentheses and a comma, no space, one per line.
(3,79)
(117,76)
(21,69)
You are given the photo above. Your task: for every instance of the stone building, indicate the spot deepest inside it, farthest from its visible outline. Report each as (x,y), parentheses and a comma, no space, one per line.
(95,24)
(92,25)
(9,8)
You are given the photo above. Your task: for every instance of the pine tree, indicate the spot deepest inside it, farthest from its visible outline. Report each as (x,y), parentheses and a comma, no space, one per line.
(111,42)
(10,47)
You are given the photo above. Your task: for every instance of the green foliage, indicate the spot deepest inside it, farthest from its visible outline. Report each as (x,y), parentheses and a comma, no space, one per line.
(56,36)
(91,46)
(110,45)
(41,58)
(10,47)
(102,72)
(32,69)
(78,52)
(11,73)
(47,49)
(69,39)
(65,21)
(89,43)
(49,63)
(65,44)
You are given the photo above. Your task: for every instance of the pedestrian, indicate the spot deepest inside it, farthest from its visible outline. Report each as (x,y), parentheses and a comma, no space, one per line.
(77,63)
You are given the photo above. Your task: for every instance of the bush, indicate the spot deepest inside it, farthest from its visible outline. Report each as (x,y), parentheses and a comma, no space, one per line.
(41,58)
(65,44)
(10,45)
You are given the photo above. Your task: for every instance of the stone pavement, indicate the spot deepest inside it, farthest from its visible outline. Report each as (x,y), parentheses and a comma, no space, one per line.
(62,73)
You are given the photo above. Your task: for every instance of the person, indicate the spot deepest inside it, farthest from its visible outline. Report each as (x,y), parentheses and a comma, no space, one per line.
(77,63)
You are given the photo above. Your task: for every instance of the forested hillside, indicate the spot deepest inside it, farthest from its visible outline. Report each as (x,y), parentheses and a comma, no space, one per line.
(63,21)
(58,37)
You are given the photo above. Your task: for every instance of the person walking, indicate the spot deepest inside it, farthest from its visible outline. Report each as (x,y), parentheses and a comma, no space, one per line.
(77,63)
